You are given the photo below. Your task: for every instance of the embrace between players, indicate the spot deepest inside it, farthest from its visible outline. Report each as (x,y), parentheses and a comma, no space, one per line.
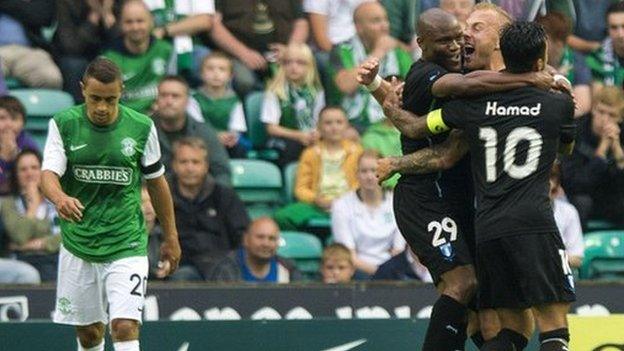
(502,125)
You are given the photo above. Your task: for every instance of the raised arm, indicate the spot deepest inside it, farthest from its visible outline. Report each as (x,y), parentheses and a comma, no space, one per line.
(436,158)
(484,82)
(406,122)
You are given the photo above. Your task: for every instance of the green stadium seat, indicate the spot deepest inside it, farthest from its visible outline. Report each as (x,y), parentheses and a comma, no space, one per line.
(12,83)
(256,130)
(599,224)
(290,174)
(253,108)
(305,249)
(41,105)
(256,181)
(604,255)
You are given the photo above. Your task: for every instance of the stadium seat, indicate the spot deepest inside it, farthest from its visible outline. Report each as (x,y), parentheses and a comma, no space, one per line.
(257,181)
(290,172)
(41,105)
(599,224)
(256,130)
(305,249)
(604,255)
(12,83)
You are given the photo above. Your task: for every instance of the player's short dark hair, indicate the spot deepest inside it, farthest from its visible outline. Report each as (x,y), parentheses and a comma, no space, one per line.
(175,78)
(13,106)
(13,181)
(615,7)
(103,70)
(522,44)
(556,25)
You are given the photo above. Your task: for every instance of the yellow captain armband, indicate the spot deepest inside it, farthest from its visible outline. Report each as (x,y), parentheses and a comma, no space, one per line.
(435,123)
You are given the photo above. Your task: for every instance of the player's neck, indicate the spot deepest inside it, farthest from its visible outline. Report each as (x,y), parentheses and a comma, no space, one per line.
(496,62)
(135,47)
(110,121)
(214,92)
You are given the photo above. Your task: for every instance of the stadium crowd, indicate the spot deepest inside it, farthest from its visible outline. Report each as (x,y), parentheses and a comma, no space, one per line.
(229,82)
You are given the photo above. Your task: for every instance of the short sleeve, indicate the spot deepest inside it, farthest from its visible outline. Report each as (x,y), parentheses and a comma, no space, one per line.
(271,112)
(54,157)
(455,113)
(320,7)
(417,95)
(194,110)
(151,166)
(340,215)
(237,119)
(567,132)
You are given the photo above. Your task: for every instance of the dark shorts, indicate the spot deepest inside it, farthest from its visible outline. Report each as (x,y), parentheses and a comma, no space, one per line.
(522,271)
(431,230)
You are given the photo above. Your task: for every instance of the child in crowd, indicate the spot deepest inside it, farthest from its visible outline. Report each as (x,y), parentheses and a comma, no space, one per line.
(337,264)
(218,105)
(326,171)
(292,103)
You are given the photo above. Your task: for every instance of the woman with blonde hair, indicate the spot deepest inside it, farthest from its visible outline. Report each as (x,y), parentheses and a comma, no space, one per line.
(292,102)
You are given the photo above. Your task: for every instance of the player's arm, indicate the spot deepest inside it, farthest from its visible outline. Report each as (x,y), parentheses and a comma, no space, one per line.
(153,172)
(53,167)
(436,158)
(367,75)
(484,82)
(408,123)
(163,205)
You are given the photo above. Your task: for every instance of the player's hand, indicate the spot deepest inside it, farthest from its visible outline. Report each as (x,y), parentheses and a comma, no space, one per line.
(564,86)
(543,80)
(69,208)
(392,102)
(170,253)
(385,168)
(367,71)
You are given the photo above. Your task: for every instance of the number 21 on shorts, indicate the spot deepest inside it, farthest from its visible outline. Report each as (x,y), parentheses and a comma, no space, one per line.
(447,225)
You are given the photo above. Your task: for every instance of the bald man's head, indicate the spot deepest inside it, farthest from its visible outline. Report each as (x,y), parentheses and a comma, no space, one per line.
(371,22)
(261,240)
(136,22)
(440,37)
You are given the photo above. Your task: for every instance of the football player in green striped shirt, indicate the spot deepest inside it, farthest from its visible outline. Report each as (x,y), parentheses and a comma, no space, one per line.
(95,157)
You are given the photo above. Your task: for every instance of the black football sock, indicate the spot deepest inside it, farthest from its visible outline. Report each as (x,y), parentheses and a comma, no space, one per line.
(499,343)
(555,340)
(447,326)
(517,339)
(477,339)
